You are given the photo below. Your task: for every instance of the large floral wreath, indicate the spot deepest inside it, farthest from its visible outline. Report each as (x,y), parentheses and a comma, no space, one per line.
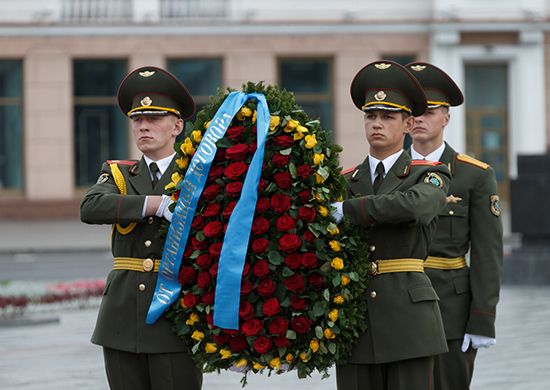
(302,293)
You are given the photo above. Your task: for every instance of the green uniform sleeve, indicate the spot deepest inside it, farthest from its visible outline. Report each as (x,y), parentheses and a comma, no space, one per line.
(485,255)
(103,203)
(420,203)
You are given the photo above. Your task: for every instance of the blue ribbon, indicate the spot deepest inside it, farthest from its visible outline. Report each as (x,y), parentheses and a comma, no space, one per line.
(168,288)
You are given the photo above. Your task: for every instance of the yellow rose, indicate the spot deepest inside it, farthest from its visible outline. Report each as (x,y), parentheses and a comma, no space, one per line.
(318,158)
(173,197)
(335,246)
(304,357)
(333,230)
(226,353)
(254,116)
(244,112)
(275,363)
(274,121)
(258,366)
(314,345)
(241,363)
(197,335)
(299,134)
(291,125)
(206,124)
(210,347)
(333,315)
(187,147)
(289,357)
(344,280)
(339,299)
(323,211)
(176,177)
(337,263)
(183,162)
(318,178)
(196,135)
(329,334)
(311,141)
(318,197)
(192,319)
(170,185)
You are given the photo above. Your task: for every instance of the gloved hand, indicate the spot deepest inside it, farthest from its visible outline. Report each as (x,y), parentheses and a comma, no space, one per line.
(164,208)
(338,211)
(477,341)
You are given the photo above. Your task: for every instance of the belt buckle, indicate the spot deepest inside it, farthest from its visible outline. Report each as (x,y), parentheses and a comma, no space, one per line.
(373,268)
(148,265)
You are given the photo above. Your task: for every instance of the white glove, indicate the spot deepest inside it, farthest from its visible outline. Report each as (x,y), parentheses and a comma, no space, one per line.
(164,208)
(338,211)
(477,341)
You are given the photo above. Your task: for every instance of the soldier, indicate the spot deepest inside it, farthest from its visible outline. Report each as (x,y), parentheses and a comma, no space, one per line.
(470,221)
(398,201)
(129,195)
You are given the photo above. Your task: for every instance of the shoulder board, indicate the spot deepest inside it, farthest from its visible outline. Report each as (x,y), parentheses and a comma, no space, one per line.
(346,171)
(122,162)
(470,160)
(425,163)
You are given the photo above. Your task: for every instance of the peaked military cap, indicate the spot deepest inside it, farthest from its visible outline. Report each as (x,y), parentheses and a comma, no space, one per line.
(439,87)
(154,91)
(386,85)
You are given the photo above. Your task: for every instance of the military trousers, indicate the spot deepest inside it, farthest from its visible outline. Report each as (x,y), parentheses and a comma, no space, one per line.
(410,374)
(454,370)
(151,371)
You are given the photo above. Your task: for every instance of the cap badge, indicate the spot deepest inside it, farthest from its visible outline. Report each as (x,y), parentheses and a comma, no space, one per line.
(382,65)
(147,73)
(380,95)
(146,101)
(418,68)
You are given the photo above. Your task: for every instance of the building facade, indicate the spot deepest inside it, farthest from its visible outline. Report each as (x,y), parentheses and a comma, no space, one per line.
(61,62)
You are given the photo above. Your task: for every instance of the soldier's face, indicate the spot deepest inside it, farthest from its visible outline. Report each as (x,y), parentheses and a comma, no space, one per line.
(155,134)
(385,130)
(430,125)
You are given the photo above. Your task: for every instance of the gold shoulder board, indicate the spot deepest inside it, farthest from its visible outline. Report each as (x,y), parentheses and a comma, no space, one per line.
(470,160)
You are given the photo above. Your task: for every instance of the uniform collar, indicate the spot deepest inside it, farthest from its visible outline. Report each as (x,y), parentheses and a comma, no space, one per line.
(163,163)
(433,156)
(388,164)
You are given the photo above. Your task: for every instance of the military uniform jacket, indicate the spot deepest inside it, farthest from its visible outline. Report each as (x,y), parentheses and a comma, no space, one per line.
(469,296)
(403,315)
(121,319)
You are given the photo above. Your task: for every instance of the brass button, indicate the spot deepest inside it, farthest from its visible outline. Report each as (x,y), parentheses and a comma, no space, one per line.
(148,243)
(372,248)
(451,212)
(373,294)
(141,287)
(148,265)
(150,220)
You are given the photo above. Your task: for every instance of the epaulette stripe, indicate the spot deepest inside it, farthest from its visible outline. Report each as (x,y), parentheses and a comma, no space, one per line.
(472,161)
(348,171)
(122,162)
(425,162)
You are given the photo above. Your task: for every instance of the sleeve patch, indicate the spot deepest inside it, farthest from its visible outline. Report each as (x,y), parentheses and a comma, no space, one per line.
(434,178)
(495,205)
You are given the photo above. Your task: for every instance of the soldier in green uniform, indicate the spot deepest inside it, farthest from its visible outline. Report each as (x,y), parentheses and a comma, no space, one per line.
(469,222)
(129,195)
(397,200)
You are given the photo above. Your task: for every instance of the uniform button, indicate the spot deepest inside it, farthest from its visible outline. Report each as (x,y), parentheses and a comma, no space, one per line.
(148,265)
(451,212)
(373,294)
(372,248)
(148,243)
(150,220)
(141,287)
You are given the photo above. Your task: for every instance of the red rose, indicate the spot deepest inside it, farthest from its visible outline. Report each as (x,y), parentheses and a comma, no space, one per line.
(196,244)
(309,260)
(288,242)
(266,287)
(280,160)
(283,140)
(280,341)
(297,303)
(210,320)
(208,298)
(237,343)
(210,192)
(235,132)
(229,209)
(307,214)
(213,270)
(189,300)
(220,339)
(234,188)
(236,152)
(235,170)
(262,344)
(211,210)
(176,195)
(246,310)
(293,261)
(252,147)
(246,287)
(215,249)
(198,222)
(262,205)
(262,184)
(316,280)
(203,280)
(260,225)
(260,245)
(246,269)
(204,260)
(304,171)
(278,326)
(261,268)
(220,155)
(304,196)
(252,327)
(188,251)
(271,307)
(213,229)
(281,203)
(300,324)
(295,283)
(215,172)
(309,236)
(283,180)
(285,223)
(187,275)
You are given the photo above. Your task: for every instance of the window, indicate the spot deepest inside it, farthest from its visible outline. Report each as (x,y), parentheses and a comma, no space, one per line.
(100,128)
(11,125)
(311,80)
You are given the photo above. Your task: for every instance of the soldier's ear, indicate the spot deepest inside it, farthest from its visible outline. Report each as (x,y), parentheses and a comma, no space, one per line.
(178,127)
(409,122)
